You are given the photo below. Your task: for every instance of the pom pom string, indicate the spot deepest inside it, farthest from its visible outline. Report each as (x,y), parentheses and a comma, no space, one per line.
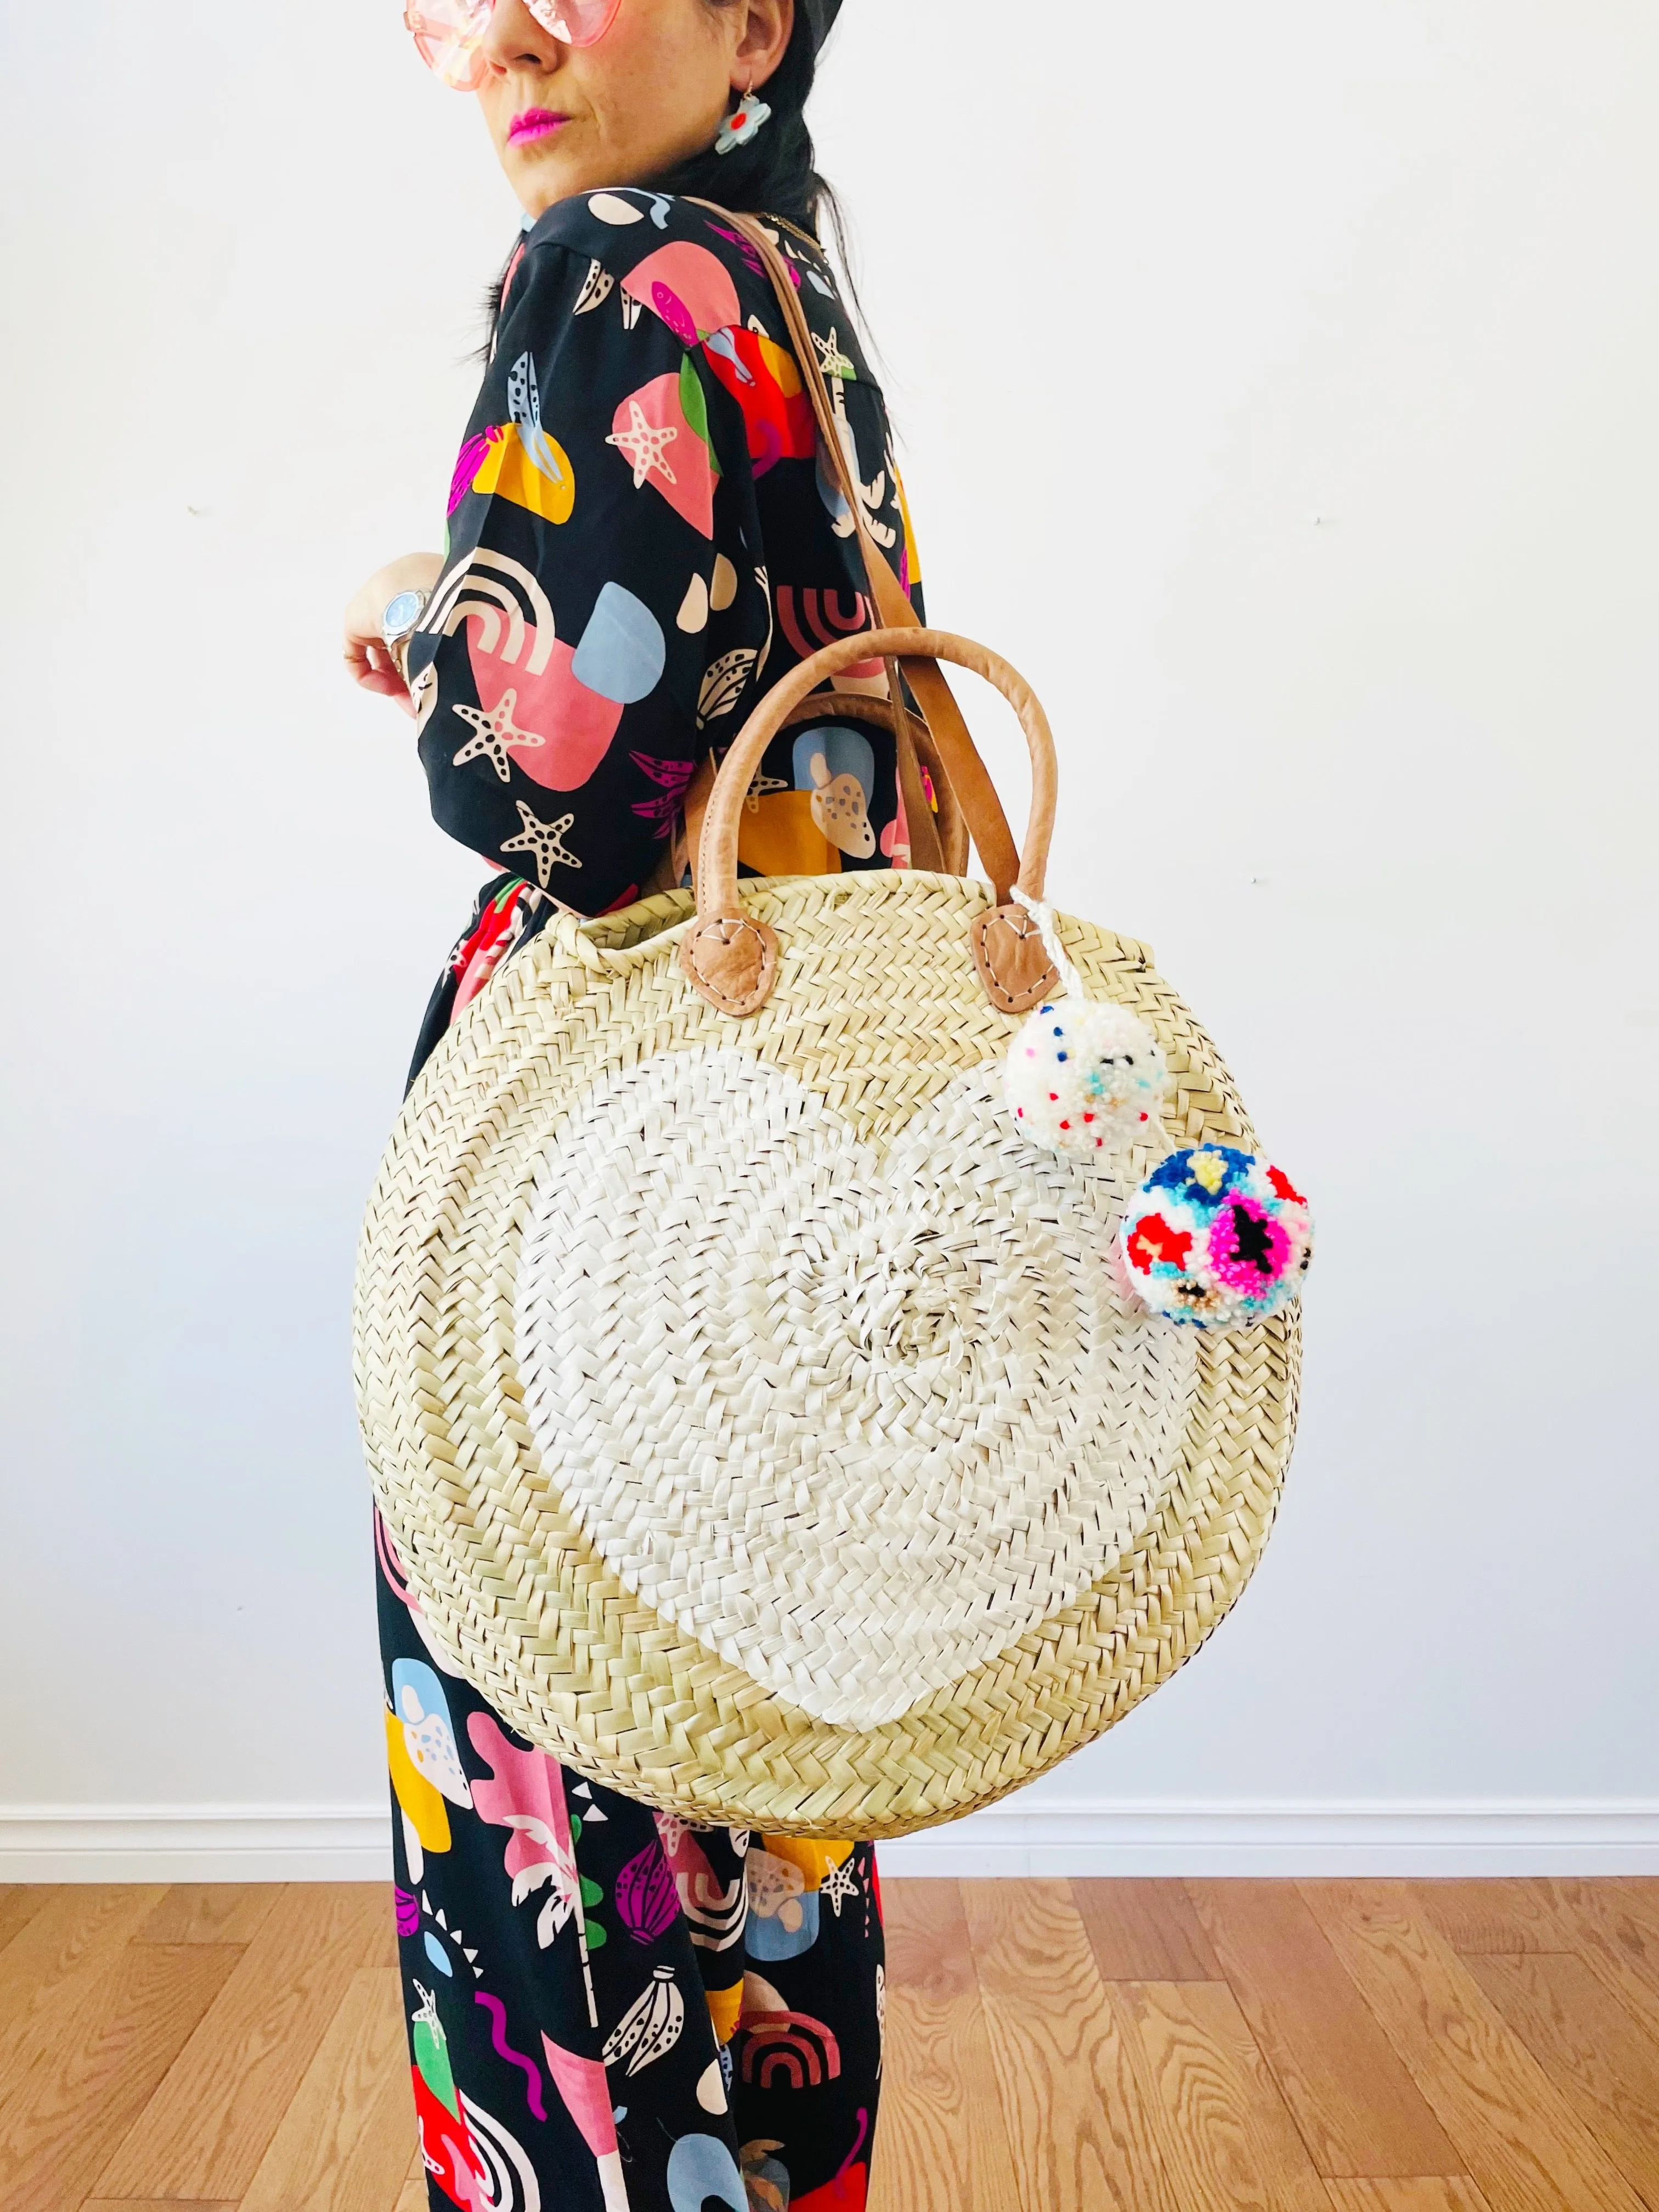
(1043,913)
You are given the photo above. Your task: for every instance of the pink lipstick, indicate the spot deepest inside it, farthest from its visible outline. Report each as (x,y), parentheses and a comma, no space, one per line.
(534,123)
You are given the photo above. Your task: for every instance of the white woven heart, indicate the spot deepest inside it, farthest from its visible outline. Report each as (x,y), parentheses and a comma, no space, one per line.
(855,1424)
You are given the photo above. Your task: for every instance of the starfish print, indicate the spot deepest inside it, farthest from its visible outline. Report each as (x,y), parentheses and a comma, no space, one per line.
(759,788)
(839,1884)
(643,446)
(831,360)
(494,732)
(544,840)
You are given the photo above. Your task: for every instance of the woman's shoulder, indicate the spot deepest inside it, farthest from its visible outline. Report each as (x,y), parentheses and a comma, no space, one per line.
(683,262)
(626,225)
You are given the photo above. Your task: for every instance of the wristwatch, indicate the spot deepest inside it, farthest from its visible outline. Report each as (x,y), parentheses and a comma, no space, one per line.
(400,620)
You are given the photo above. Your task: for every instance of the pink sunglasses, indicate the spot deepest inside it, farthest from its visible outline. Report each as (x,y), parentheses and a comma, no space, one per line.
(448,33)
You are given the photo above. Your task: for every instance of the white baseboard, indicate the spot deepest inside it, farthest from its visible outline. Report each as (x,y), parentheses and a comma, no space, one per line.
(195,1843)
(1050,1836)
(1284,1838)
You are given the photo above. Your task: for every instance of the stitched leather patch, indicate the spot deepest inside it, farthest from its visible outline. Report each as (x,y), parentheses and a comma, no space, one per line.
(732,962)
(1008,952)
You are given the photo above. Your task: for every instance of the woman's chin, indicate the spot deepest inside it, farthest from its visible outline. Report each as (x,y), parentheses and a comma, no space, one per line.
(550,168)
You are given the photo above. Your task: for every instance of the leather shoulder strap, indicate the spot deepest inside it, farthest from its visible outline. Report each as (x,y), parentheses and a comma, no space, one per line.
(958,754)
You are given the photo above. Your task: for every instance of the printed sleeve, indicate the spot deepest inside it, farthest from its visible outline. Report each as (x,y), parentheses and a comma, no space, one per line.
(604,598)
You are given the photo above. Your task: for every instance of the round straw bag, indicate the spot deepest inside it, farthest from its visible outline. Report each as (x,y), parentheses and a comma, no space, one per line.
(760,1423)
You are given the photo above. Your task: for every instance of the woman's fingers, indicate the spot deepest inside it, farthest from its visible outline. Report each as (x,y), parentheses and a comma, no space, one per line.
(371,666)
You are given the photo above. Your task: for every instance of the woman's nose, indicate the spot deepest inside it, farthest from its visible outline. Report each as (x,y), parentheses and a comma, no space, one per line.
(515,38)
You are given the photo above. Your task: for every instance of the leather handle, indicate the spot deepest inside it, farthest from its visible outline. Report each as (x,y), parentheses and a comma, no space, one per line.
(958,756)
(717,853)
(733,961)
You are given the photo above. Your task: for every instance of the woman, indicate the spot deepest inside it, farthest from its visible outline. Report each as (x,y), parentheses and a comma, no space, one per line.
(609,2009)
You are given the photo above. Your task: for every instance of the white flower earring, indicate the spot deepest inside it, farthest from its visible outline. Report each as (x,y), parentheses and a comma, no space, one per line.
(745,119)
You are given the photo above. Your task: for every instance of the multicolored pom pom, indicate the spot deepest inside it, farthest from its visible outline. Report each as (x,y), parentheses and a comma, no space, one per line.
(1085,1075)
(1216,1238)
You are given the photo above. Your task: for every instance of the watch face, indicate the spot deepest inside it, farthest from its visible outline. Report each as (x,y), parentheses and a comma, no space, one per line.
(401,614)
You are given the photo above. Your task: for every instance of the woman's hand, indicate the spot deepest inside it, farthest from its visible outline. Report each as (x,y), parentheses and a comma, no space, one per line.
(366,659)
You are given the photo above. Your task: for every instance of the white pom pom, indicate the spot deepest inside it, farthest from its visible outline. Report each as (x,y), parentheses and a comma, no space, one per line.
(1085,1075)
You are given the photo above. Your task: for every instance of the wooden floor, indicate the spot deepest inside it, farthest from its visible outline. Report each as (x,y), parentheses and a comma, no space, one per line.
(1052,2046)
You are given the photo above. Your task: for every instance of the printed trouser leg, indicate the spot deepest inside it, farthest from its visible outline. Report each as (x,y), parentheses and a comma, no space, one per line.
(610,2010)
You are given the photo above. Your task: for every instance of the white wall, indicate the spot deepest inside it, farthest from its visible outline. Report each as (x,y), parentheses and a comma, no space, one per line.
(1278,391)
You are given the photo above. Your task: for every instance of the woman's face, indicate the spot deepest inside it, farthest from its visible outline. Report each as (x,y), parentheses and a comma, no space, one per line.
(650,93)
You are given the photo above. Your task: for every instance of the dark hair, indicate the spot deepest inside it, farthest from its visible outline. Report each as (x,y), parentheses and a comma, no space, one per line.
(775,173)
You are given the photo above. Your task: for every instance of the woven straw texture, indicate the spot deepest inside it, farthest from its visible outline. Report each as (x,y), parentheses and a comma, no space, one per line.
(756,1415)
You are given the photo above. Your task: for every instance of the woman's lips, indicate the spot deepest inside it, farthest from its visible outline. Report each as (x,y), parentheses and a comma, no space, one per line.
(534,123)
